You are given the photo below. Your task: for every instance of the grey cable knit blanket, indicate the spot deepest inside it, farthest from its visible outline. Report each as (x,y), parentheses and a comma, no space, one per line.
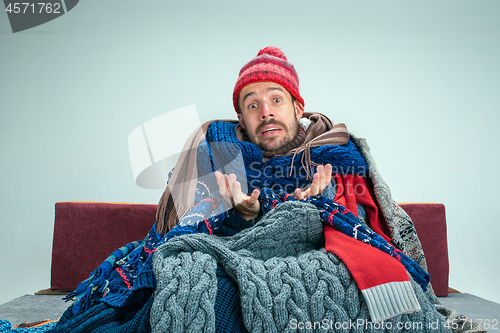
(286,281)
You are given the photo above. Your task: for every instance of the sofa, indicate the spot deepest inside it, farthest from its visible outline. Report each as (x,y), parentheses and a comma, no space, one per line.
(86,233)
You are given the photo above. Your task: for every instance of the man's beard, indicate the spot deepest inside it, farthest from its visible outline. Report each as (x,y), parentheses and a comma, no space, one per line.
(273,145)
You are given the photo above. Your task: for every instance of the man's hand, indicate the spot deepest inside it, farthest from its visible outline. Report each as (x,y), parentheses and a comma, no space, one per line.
(247,206)
(321,179)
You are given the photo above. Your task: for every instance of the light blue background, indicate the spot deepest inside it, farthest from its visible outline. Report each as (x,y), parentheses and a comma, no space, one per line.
(419,79)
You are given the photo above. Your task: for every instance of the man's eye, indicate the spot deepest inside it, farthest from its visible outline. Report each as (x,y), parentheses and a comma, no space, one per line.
(252,106)
(277,100)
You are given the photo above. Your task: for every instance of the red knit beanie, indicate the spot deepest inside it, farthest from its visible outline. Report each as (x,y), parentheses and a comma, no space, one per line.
(270,65)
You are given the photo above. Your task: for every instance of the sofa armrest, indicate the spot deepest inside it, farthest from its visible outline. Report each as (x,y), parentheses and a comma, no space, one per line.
(86,233)
(430,222)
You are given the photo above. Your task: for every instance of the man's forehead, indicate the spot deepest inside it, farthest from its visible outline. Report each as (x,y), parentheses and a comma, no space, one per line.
(264,87)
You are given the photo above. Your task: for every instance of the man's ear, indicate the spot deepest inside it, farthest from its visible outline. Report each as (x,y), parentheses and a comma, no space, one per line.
(299,109)
(240,119)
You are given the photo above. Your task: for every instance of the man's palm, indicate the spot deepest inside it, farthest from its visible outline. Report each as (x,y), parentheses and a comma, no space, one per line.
(247,206)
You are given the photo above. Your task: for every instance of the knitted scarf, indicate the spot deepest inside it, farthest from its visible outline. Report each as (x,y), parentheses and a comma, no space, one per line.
(284,278)
(178,198)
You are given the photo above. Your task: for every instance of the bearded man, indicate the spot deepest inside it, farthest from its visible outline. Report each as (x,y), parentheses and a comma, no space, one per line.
(276,222)
(288,159)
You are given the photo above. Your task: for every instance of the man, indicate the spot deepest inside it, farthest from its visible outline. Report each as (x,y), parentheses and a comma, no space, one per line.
(275,138)
(307,262)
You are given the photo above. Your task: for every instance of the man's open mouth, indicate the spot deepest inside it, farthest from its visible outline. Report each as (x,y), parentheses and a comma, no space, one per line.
(270,129)
(273,129)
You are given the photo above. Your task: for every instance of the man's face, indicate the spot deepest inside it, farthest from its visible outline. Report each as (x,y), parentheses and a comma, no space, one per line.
(268,115)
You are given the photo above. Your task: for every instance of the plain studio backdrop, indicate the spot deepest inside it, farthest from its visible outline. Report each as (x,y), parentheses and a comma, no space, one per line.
(419,79)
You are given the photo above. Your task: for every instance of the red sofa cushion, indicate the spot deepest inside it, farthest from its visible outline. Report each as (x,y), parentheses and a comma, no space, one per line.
(86,233)
(430,222)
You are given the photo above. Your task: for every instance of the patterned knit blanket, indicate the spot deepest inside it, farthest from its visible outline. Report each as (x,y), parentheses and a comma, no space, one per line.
(286,280)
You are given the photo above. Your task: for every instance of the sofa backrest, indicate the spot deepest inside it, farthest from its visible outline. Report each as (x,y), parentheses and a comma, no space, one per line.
(86,233)
(430,222)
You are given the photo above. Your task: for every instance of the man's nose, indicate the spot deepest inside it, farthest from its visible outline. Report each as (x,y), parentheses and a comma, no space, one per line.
(266,111)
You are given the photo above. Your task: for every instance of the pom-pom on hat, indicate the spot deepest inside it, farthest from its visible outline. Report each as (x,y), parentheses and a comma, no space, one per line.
(270,65)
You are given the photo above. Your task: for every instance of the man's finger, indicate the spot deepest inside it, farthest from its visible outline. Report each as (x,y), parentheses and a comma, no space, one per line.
(229,188)
(321,182)
(221,183)
(328,171)
(314,189)
(316,185)
(254,197)
(237,195)
(298,194)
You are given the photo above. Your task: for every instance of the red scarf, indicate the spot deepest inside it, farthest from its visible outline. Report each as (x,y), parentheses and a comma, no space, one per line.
(382,279)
